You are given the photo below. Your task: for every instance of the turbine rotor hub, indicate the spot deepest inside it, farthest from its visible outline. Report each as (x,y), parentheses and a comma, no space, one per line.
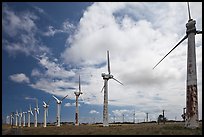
(106,76)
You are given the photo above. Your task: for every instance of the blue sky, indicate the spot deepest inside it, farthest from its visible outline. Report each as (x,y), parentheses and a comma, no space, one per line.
(45,46)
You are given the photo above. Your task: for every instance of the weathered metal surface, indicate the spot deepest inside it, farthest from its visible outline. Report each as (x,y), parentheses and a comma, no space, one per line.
(105,104)
(77,111)
(191,90)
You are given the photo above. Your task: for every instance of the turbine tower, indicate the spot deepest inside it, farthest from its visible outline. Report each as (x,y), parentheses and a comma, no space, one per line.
(36,109)
(7,119)
(29,112)
(24,113)
(11,118)
(147,117)
(77,94)
(45,105)
(191,88)
(59,102)
(134,117)
(20,118)
(106,77)
(17,117)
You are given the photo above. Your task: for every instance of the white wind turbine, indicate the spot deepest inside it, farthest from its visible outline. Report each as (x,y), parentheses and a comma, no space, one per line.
(77,109)
(20,118)
(191,83)
(59,102)
(17,117)
(11,118)
(24,114)
(7,119)
(36,109)
(106,77)
(29,112)
(45,105)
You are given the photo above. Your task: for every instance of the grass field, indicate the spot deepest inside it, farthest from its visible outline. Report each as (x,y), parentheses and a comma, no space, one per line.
(128,129)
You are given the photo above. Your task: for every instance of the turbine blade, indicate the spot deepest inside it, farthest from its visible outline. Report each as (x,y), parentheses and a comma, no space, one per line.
(31,112)
(36,103)
(108,62)
(118,81)
(103,86)
(55,98)
(79,84)
(38,110)
(171,50)
(64,97)
(81,98)
(199,32)
(189,14)
(44,103)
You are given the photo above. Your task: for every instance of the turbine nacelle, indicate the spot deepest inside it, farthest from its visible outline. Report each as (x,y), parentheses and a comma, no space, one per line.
(45,105)
(106,76)
(77,93)
(37,109)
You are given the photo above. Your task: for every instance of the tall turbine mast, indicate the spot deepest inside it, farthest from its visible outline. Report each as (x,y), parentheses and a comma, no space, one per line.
(106,77)
(191,89)
(29,112)
(20,117)
(59,102)
(77,94)
(17,114)
(45,105)
(24,114)
(36,114)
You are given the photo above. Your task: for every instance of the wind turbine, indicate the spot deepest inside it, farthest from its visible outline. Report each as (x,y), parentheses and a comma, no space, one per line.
(29,112)
(191,89)
(77,94)
(20,118)
(17,117)
(59,102)
(11,118)
(45,105)
(106,77)
(147,116)
(24,113)
(7,119)
(134,117)
(36,109)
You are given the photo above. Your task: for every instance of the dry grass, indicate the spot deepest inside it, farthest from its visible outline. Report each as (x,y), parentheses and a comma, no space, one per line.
(136,129)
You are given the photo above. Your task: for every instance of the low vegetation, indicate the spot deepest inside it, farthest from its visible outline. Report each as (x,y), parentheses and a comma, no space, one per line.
(113,129)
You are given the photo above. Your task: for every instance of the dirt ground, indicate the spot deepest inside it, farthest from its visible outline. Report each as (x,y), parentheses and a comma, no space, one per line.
(120,129)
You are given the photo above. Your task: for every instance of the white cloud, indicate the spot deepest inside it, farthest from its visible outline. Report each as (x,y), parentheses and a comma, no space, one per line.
(22,27)
(66,27)
(19,78)
(71,104)
(137,35)
(93,112)
(30,98)
(54,69)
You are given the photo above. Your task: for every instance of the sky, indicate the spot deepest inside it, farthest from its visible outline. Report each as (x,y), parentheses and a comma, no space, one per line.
(46,46)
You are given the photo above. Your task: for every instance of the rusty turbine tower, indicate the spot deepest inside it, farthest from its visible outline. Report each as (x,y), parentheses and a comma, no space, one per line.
(191,89)
(77,94)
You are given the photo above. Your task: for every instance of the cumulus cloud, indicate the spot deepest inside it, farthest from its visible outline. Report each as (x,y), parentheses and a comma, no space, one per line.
(93,112)
(137,35)
(30,98)
(21,26)
(19,78)
(71,104)
(66,27)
